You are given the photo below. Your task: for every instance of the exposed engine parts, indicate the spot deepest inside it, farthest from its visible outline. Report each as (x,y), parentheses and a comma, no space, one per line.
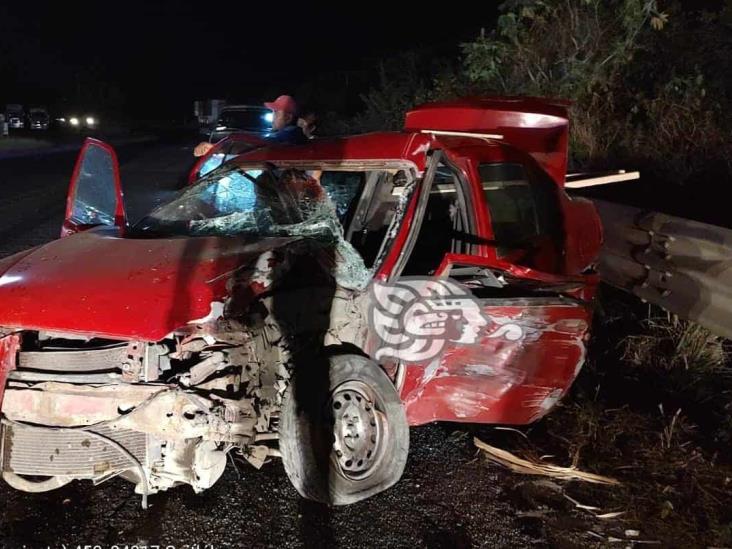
(158,414)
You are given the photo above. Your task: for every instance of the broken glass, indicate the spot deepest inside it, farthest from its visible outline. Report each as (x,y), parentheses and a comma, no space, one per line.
(213,162)
(95,196)
(269,202)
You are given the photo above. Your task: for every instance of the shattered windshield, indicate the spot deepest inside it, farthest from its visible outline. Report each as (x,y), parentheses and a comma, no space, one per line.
(261,202)
(266,202)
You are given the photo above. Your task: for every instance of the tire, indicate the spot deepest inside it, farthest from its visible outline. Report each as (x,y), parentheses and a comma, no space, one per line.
(345,438)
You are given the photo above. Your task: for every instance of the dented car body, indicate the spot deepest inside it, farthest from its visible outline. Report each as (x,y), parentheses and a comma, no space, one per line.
(236,318)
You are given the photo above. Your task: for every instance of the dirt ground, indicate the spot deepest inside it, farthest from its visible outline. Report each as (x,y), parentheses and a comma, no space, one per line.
(450,496)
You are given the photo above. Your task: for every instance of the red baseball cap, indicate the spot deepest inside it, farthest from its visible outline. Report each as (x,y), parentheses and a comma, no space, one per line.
(283,103)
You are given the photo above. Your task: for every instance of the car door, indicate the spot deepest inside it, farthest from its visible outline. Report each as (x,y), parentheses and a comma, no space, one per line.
(95,193)
(530,325)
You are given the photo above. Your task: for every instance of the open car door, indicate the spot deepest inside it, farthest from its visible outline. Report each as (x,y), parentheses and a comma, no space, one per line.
(522,340)
(95,193)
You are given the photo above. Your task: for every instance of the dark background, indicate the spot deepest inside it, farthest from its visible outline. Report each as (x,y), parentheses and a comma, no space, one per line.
(153,59)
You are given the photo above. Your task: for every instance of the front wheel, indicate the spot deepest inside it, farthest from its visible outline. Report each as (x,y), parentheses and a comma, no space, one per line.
(343,431)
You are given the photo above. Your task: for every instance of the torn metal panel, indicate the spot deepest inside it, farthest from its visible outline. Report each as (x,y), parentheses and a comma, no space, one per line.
(523,362)
(9,346)
(72,405)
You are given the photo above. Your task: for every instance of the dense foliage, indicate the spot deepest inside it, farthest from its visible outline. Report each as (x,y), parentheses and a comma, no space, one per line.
(648,81)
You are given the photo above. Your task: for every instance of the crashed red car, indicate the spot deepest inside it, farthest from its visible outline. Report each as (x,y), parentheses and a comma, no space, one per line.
(263,310)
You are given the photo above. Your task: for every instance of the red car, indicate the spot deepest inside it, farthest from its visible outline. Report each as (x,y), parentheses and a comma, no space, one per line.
(304,302)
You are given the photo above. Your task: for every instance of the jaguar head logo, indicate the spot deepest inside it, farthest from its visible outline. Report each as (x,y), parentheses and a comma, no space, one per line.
(414,318)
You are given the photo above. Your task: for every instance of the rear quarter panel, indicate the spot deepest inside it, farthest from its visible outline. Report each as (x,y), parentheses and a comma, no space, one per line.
(524,362)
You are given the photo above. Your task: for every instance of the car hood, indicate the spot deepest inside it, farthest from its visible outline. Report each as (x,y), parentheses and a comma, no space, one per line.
(98,284)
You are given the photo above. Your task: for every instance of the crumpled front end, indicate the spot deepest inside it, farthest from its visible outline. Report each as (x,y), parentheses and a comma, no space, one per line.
(167,412)
(159,414)
(160,356)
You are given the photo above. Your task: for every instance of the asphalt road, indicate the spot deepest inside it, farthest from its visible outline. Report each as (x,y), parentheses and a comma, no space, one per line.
(447,497)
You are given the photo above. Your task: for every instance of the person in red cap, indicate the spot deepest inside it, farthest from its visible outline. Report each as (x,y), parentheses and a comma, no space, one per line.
(284,125)
(284,122)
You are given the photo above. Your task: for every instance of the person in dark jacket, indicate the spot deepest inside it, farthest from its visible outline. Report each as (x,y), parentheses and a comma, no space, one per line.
(284,123)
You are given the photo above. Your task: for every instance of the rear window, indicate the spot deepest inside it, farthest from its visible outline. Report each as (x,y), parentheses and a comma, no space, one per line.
(521,207)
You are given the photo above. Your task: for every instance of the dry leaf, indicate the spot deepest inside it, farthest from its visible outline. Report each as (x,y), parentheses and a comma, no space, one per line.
(520,465)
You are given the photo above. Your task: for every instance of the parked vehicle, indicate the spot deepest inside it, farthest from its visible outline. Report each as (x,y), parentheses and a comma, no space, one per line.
(207,111)
(271,308)
(15,116)
(38,118)
(237,119)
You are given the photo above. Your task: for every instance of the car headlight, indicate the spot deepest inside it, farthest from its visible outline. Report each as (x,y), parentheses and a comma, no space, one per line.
(90,121)
(74,121)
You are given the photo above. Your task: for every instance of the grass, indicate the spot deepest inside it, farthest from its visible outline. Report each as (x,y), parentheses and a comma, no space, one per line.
(669,343)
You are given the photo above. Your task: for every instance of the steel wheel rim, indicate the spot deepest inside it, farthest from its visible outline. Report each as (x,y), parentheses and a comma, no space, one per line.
(360,429)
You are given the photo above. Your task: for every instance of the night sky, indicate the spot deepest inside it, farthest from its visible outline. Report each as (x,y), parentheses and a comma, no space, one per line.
(156,57)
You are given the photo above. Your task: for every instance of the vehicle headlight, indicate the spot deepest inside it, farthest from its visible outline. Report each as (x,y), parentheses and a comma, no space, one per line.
(90,121)
(74,121)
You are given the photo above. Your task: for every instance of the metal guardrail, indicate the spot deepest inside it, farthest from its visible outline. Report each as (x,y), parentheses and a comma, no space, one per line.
(680,265)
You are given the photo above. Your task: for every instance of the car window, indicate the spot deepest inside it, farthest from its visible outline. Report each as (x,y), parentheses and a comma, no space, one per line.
(445,225)
(225,151)
(379,213)
(522,206)
(94,200)
(343,188)
(268,201)
(258,201)
(213,162)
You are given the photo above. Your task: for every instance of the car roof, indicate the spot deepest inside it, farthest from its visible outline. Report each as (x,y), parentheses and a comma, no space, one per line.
(408,147)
